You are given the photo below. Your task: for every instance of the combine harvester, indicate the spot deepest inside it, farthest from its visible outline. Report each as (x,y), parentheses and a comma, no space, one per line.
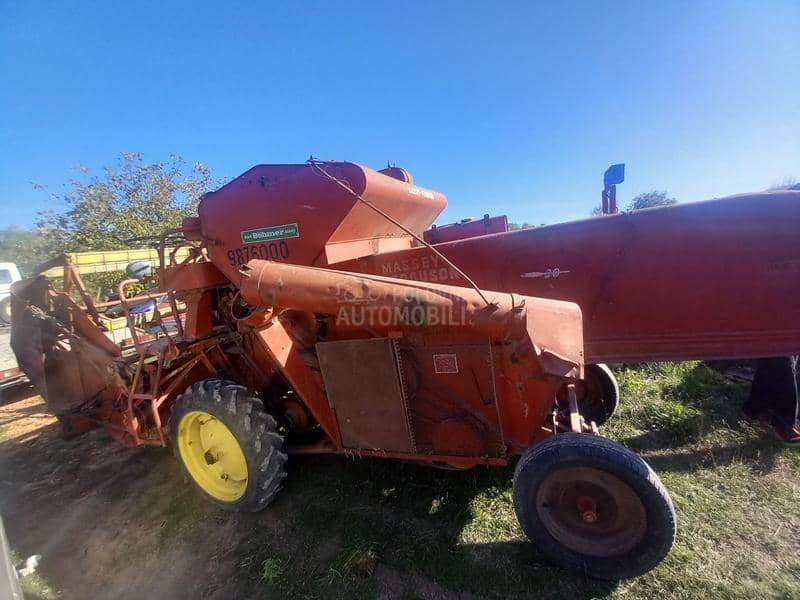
(318,320)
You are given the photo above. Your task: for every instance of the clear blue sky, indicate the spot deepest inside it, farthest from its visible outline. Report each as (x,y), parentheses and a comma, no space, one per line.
(513,107)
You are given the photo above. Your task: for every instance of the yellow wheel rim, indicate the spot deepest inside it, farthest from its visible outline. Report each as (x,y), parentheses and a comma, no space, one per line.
(212,456)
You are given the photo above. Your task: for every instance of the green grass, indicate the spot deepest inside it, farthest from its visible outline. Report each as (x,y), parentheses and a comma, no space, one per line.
(33,586)
(272,570)
(734,486)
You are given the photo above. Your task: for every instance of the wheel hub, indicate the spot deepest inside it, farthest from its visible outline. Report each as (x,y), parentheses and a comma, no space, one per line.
(587,507)
(591,511)
(212,456)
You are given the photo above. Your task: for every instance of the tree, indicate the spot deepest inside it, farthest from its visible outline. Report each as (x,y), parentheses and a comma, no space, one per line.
(651,199)
(517,226)
(645,200)
(787,183)
(132,200)
(129,205)
(26,248)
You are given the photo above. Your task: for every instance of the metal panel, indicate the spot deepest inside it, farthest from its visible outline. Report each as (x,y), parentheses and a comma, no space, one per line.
(363,387)
(452,403)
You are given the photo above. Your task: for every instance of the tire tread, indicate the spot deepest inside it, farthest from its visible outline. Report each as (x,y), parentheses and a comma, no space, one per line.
(253,427)
(618,460)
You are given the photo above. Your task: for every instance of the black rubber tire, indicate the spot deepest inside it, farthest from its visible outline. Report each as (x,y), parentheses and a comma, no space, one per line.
(5,310)
(568,450)
(602,394)
(253,428)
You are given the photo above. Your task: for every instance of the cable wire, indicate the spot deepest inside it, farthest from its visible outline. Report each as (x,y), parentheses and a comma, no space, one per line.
(318,166)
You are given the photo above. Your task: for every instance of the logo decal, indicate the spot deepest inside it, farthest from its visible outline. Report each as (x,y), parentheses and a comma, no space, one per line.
(553,273)
(267,234)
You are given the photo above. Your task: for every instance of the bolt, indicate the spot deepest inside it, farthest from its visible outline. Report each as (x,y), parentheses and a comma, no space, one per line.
(587,508)
(589,516)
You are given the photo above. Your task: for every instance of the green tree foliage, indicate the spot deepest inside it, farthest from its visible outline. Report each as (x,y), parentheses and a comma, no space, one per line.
(131,200)
(516,226)
(26,248)
(644,200)
(651,199)
(122,207)
(787,183)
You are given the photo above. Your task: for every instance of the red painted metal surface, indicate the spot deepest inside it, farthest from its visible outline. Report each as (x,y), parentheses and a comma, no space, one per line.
(715,279)
(324,222)
(477,379)
(465,229)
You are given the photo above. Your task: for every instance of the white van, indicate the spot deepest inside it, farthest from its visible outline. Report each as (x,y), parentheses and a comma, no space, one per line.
(8,275)
(10,374)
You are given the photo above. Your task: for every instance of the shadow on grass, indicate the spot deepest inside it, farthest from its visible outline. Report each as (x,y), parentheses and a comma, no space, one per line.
(696,423)
(431,534)
(760,457)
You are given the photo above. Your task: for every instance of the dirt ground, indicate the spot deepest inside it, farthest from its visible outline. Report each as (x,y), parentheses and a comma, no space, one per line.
(117,522)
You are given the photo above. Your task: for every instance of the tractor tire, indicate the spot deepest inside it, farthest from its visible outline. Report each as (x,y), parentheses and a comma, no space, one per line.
(593,506)
(228,445)
(5,310)
(601,394)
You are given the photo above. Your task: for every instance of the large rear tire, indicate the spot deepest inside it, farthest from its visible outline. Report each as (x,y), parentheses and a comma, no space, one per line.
(593,506)
(228,445)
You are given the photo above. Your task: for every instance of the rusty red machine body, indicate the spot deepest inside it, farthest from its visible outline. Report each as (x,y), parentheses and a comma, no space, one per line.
(703,280)
(458,367)
(313,287)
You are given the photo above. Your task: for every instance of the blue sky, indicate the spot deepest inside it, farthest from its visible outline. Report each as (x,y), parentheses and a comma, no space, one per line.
(506,107)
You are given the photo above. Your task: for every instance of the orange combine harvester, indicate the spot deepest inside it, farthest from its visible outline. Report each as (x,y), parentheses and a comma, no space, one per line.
(312,316)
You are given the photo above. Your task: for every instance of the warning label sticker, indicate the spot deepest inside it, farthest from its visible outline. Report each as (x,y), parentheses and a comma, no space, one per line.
(445,363)
(266,234)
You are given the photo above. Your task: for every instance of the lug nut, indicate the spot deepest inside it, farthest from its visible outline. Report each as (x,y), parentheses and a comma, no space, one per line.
(589,516)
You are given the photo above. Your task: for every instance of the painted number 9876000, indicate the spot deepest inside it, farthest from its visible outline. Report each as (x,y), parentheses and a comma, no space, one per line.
(272,251)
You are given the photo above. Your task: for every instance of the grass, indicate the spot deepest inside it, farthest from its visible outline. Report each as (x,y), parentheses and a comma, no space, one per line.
(272,570)
(734,487)
(33,586)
